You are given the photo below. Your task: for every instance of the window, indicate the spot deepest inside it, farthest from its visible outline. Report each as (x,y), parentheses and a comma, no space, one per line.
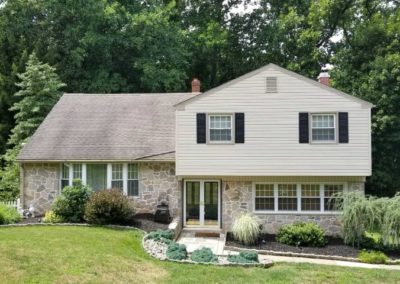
(323,127)
(287,197)
(133,181)
(117,180)
(77,171)
(264,197)
(64,175)
(331,197)
(96,176)
(297,197)
(310,197)
(220,128)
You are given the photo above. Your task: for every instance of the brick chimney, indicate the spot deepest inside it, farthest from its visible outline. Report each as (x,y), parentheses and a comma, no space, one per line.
(323,78)
(195,85)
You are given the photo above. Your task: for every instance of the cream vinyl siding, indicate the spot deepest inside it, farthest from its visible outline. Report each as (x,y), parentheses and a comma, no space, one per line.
(271,131)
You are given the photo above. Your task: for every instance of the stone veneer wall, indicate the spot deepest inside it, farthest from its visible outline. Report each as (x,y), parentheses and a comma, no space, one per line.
(40,185)
(157,183)
(237,197)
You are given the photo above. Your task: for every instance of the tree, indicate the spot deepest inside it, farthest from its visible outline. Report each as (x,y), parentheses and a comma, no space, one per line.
(39,91)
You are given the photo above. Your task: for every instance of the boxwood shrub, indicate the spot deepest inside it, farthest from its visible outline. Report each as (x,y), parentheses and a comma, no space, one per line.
(301,234)
(204,255)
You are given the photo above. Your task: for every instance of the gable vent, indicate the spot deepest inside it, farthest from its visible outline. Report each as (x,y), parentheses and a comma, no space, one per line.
(271,85)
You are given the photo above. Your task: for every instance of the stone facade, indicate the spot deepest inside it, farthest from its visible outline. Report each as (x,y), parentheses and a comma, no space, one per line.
(40,185)
(157,183)
(237,198)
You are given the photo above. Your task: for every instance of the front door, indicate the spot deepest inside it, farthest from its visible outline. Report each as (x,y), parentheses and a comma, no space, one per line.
(201,199)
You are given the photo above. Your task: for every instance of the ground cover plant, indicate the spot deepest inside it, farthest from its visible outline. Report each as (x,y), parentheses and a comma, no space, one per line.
(160,235)
(109,207)
(176,251)
(58,254)
(301,234)
(51,217)
(203,255)
(244,257)
(375,257)
(8,215)
(246,229)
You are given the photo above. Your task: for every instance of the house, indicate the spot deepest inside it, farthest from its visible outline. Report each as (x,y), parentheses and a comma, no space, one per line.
(270,142)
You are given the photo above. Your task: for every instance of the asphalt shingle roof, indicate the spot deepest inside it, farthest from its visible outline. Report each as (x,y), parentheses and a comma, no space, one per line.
(99,127)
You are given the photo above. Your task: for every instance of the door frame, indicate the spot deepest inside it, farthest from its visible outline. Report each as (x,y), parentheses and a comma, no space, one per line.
(201,205)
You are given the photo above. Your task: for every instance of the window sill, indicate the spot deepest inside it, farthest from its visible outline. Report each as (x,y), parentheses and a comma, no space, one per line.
(330,213)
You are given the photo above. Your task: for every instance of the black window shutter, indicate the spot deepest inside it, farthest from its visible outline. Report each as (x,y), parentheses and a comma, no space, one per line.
(343,127)
(201,128)
(303,127)
(239,127)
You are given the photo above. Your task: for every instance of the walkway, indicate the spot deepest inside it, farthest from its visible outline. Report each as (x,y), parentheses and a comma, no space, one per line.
(192,243)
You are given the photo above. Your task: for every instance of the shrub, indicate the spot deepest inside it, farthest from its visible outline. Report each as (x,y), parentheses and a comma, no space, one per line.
(375,257)
(204,255)
(391,222)
(109,207)
(161,235)
(301,234)
(176,251)
(70,205)
(244,257)
(8,215)
(51,217)
(246,229)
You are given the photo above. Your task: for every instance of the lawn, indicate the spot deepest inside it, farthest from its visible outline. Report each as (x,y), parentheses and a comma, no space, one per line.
(100,255)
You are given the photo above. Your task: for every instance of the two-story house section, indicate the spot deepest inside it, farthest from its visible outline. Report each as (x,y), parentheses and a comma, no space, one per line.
(273,143)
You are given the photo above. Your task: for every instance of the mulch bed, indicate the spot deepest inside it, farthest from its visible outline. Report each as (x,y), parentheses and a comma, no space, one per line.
(146,223)
(335,247)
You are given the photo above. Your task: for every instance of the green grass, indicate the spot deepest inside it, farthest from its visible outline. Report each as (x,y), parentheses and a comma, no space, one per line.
(99,255)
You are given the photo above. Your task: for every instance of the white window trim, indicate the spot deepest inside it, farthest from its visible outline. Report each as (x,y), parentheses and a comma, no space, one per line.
(109,176)
(208,129)
(298,187)
(334,141)
(127,179)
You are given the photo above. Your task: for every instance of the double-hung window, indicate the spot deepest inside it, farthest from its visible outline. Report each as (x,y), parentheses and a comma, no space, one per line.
(264,197)
(310,197)
(332,196)
(220,127)
(64,175)
(77,171)
(133,180)
(287,197)
(323,127)
(117,180)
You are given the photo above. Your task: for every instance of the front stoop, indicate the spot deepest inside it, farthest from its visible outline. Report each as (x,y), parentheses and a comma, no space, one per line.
(196,238)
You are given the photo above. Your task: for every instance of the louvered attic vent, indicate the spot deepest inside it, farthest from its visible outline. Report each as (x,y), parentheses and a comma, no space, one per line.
(271,85)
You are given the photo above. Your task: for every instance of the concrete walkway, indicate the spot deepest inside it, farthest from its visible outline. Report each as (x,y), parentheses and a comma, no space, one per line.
(192,243)
(289,259)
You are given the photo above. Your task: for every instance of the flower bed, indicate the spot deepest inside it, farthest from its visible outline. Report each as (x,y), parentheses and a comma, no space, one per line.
(335,249)
(158,250)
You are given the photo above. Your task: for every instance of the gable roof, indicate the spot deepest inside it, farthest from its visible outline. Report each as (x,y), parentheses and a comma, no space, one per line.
(107,127)
(285,71)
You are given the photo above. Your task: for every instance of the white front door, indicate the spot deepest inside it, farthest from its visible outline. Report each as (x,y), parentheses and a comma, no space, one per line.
(201,203)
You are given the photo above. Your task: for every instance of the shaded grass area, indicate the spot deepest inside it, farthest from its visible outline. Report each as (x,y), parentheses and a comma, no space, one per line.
(100,255)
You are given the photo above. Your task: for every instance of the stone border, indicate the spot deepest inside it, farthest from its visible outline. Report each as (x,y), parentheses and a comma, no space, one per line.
(188,261)
(305,255)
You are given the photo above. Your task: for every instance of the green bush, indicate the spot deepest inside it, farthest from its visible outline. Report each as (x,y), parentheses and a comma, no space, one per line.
(246,229)
(8,215)
(204,255)
(70,205)
(51,217)
(301,234)
(161,235)
(375,257)
(244,257)
(109,207)
(176,251)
